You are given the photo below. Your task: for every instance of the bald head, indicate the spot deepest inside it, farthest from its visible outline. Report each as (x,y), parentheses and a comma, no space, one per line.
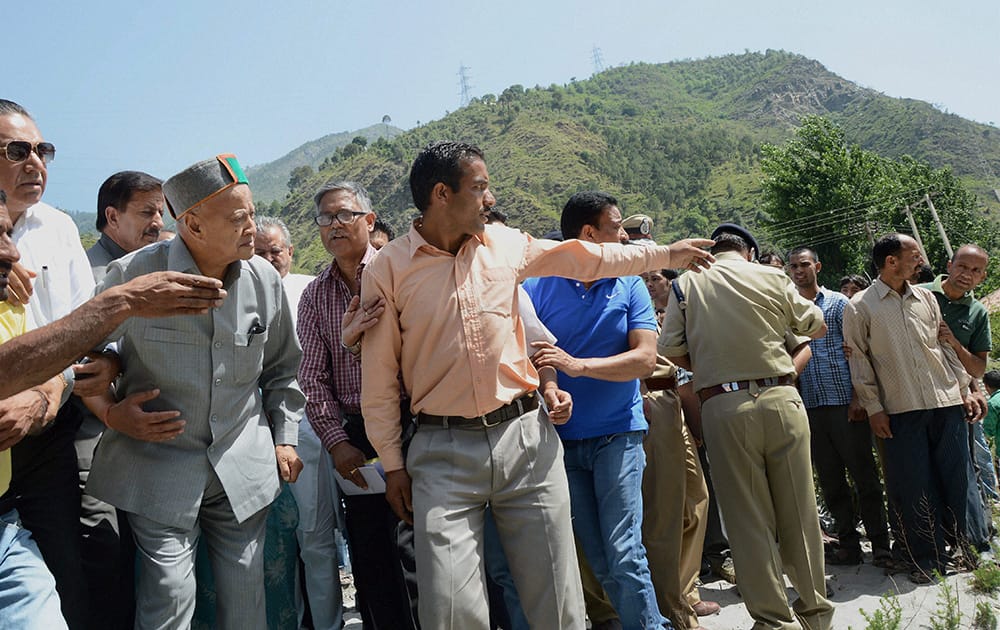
(966,270)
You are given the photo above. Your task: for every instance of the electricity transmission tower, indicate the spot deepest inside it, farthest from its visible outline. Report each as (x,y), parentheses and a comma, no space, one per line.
(598,60)
(464,86)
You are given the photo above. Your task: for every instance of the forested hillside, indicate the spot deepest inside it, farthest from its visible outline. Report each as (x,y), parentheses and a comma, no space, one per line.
(679,141)
(269,181)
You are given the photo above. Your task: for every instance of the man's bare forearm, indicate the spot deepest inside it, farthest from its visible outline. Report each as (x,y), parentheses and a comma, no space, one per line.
(40,354)
(37,355)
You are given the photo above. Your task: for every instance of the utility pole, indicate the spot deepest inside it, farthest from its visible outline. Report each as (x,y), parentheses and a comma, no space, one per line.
(940,226)
(916,234)
(871,235)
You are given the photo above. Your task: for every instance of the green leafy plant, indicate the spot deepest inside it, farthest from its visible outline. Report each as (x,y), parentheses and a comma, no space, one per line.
(888,615)
(985,618)
(947,616)
(986,578)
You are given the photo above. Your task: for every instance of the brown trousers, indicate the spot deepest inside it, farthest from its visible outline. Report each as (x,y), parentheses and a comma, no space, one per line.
(674,503)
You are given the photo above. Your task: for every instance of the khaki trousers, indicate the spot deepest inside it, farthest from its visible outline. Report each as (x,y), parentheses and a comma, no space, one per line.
(758,443)
(675,502)
(517,467)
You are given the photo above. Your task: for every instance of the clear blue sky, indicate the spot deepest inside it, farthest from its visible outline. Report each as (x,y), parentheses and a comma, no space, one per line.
(155,86)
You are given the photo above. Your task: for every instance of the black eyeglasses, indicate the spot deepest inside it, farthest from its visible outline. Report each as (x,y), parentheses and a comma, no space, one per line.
(344,217)
(19,151)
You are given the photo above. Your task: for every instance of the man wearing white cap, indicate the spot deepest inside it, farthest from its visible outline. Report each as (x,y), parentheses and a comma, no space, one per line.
(200,454)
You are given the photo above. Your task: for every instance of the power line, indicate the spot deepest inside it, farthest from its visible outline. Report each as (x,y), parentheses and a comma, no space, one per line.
(856,206)
(803,227)
(810,225)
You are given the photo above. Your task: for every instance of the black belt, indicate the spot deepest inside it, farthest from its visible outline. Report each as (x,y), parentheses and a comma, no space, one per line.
(660,383)
(725,388)
(513,409)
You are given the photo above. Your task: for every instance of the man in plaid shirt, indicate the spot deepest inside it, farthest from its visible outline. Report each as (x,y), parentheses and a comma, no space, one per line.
(841,436)
(330,377)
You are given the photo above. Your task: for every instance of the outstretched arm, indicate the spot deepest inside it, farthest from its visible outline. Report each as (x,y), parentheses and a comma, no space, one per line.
(35,356)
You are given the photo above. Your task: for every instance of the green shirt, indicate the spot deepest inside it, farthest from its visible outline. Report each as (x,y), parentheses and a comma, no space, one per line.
(992,416)
(966,316)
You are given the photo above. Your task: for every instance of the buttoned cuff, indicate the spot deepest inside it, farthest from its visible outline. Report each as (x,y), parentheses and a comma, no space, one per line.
(286,432)
(873,408)
(329,431)
(392,459)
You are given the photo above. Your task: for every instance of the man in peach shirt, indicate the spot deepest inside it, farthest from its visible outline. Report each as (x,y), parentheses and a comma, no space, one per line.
(451,325)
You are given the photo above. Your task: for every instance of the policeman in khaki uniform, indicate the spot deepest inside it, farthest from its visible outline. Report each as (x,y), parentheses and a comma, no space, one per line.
(673,484)
(729,329)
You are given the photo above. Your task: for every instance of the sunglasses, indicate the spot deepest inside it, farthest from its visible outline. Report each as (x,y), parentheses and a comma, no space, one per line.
(20,150)
(344,217)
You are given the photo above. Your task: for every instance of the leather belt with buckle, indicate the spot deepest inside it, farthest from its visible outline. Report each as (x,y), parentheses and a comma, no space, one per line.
(660,383)
(735,386)
(513,409)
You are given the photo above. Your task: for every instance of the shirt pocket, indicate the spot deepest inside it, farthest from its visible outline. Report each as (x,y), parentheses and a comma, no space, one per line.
(164,358)
(248,356)
(497,287)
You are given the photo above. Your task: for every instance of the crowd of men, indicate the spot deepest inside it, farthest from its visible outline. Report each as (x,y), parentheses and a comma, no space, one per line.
(542,412)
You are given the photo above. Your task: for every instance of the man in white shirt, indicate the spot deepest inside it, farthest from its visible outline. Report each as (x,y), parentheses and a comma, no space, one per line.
(52,278)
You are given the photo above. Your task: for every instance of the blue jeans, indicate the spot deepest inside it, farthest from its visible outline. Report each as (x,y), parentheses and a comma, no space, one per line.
(932,484)
(605,487)
(984,462)
(28,596)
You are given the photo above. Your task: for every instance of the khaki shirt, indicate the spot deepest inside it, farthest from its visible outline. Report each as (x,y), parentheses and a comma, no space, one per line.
(734,321)
(663,369)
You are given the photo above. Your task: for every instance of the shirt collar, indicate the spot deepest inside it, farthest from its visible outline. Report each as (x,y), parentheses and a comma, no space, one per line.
(114,249)
(179,258)
(417,241)
(370,253)
(730,255)
(937,287)
(28,216)
(884,289)
(820,296)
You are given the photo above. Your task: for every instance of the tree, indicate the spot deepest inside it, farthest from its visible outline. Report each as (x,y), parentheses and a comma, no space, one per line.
(298,176)
(822,192)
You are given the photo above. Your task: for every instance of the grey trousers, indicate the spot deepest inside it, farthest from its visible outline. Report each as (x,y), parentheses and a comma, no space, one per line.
(516,467)
(316,495)
(165,595)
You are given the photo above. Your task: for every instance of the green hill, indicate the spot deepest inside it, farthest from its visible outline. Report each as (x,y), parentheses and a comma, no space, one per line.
(679,141)
(269,181)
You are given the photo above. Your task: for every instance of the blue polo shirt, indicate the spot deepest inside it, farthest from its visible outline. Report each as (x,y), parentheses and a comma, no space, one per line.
(595,322)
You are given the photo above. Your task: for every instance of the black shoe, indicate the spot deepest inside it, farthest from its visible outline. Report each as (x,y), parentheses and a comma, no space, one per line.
(844,557)
(882,558)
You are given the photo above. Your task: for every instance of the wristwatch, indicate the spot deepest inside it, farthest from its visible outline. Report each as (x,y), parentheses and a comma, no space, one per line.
(354,349)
